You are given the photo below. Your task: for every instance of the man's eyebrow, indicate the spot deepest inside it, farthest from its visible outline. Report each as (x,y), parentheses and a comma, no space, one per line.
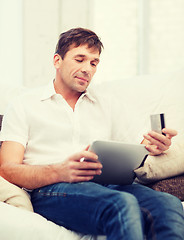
(97,60)
(79,55)
(83,56)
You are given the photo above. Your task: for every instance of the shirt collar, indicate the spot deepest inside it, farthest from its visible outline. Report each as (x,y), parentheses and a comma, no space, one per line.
(49,91)
(89,94)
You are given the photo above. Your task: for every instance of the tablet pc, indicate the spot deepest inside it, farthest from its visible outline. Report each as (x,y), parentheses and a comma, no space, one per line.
(118,160)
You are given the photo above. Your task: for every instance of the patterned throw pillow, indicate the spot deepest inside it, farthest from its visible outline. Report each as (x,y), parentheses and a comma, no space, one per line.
(173,185)
(1,118)
(166,165)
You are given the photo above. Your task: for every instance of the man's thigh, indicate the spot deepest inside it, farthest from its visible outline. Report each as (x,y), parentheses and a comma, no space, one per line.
(72,204)
(154,204)
(145,195)
(80,206)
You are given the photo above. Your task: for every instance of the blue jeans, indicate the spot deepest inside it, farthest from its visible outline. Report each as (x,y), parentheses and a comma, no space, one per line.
(119,212)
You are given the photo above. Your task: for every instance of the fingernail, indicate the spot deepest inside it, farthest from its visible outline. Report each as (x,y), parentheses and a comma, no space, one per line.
(99,172)
(82,159)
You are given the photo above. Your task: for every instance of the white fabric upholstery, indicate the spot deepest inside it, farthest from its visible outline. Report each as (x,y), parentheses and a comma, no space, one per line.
(13,195)
(149,94)
(19,224)
(7,94)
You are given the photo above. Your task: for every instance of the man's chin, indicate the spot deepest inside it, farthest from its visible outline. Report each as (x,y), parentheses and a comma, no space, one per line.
(82,87)
(81,90)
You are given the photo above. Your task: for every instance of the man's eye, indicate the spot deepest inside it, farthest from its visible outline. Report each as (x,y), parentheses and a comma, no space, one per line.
(78,60)
(93,64)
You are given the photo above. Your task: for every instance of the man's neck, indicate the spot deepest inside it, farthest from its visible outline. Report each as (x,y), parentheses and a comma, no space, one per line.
(70,96)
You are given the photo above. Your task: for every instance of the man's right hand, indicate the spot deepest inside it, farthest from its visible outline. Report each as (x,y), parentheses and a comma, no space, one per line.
(74,170)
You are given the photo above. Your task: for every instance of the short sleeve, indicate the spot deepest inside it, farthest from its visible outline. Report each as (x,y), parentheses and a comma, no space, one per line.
(15,125)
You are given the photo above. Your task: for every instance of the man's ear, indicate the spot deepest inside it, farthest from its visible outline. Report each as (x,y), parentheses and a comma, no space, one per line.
(57,60)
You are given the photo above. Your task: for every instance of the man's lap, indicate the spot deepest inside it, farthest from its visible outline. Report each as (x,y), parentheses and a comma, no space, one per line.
(143,194)
(77,203)
(150,200)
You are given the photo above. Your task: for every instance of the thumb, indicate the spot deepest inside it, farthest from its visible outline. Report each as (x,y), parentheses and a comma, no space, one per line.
(87,148)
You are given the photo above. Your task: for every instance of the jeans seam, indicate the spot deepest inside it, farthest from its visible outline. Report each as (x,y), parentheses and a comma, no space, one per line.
(150,217)
(52,194)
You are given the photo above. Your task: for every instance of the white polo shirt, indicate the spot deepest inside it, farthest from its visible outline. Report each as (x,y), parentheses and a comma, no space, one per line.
(50,131)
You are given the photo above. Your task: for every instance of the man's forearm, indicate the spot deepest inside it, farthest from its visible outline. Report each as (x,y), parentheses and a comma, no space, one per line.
(29,176)
(34,176)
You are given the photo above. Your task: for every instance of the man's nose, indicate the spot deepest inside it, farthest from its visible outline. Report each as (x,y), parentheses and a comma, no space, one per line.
(86,68)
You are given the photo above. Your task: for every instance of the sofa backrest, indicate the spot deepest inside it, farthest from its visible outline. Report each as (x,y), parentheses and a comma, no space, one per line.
(150,94)
(7,94)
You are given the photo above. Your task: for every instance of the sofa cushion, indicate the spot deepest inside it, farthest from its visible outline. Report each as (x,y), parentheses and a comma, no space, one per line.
(174,186)
(18,224)
(13,195)
(166,165)
(165,173)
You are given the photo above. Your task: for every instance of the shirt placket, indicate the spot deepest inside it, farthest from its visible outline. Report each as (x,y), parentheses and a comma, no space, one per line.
(76,128)
(73,117)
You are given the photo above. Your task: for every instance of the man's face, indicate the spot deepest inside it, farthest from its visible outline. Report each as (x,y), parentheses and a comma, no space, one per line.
(77,68)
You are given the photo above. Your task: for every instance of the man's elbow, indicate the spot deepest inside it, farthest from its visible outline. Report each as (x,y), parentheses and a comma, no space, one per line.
(6,171)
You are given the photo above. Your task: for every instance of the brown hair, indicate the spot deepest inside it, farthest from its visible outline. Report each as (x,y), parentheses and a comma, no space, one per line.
(77,36)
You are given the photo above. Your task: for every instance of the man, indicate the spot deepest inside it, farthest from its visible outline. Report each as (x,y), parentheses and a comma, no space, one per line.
(43,135)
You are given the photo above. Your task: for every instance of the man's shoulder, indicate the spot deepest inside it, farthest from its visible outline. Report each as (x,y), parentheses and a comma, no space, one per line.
(102,97)
(98,93)
(32,94)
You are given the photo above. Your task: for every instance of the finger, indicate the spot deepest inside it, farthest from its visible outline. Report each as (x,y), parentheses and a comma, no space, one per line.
(86,165)
(84,154)
(90,165)
(161,143)
(81,179)
(158,139)
(169,132)
(87,148)
(89,155)
(89,172)
(83,175)
(84,160)
(153,150)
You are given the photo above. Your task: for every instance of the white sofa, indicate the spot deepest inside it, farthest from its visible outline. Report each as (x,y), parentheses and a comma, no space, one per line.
(143,95)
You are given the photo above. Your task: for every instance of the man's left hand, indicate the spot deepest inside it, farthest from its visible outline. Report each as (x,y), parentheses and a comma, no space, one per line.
(157,143)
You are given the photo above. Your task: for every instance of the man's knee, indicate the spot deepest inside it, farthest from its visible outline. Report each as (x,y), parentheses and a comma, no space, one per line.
(121,202)
(167,206)
(169,201)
